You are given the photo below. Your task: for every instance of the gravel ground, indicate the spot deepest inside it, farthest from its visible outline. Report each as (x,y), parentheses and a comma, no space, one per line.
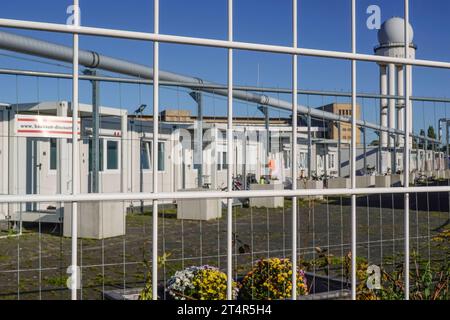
(324,226)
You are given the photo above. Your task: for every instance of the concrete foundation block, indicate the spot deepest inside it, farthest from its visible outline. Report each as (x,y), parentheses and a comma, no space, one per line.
(267,202)
(339,183)
(199,209)
(310,184)
(365,181)
(382,181)
(435,174)
(447,174)
(396,180)
(96,220)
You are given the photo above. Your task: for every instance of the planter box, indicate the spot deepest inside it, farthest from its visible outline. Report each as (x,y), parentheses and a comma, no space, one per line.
(129,293)
(320,288)
(365,181)
(382,181)
(339,183)
(310,184)
(124,294)
(198,209)
(267,202)
(96,220)
(326,288)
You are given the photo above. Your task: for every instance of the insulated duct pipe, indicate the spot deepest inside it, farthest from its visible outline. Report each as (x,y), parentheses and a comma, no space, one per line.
(93,60)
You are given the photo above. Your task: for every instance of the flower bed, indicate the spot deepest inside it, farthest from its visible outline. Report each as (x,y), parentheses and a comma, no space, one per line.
(199,283)
(271,279)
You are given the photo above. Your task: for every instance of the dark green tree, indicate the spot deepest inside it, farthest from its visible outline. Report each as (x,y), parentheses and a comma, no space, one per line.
(422,133)
(421,142)
(431,133)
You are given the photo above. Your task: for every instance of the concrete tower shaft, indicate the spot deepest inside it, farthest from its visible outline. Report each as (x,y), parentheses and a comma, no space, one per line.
(391,39)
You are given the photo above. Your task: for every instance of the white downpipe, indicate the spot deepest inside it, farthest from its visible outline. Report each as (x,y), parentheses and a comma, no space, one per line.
(392,74)
(383,117)
(410,86)
(401,104)
(124,152)
(384,103)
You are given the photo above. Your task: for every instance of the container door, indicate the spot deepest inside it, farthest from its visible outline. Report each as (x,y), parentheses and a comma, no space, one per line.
(34,167)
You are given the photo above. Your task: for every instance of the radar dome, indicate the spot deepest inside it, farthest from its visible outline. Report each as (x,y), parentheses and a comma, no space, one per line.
(393,31)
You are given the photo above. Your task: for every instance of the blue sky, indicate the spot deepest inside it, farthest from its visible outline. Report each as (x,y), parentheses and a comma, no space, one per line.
(323,24)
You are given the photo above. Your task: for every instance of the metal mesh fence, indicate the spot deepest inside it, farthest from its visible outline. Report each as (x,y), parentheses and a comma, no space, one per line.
(256,180)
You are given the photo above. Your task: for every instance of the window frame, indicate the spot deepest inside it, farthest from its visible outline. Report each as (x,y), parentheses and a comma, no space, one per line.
(162,142)
(149,154)
(106,156)
(50,170)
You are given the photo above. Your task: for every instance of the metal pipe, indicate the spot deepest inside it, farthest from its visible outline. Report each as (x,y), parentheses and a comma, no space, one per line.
(141,163)
(288,193)
(90,59)
(75,176)
(394,160)
(124,152)
(230,95)
(198,129)
(391,111)
(294,150)
(123,34)
(353,157)
(383,104)
(363,130)
(447,153)
(408,129)
(31,73)
(309,146)
(400,103)
(95,143)
(380,156)
(410,119)
(339,149)
(155,152)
